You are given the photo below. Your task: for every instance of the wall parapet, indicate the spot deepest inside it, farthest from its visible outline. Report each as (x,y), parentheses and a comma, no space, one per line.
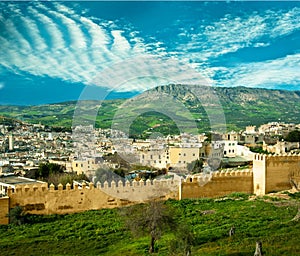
(219,183)
(45,188)
(278,157)
(141,190)
(205,178)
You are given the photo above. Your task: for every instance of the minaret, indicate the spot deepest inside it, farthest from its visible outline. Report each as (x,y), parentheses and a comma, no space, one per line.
(10,142)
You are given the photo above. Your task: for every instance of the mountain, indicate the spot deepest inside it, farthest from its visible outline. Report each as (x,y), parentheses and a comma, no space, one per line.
(166,109)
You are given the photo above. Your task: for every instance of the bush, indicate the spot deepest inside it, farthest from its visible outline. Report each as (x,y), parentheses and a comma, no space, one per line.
(16,215)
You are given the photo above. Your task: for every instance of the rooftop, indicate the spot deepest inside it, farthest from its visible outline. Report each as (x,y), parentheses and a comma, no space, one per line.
(14,180)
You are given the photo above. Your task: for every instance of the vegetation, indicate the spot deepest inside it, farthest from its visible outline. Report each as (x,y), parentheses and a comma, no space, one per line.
(151,219)
(104,232)
(241,107)
(258,149)
(17,216)
(195,166)
(293,136)
(54,174)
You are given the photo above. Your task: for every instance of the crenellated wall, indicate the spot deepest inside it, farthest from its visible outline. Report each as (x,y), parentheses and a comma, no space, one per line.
(4,208)
(270,173)
(275,172)
(41,199)
(259,174)
(218,184)
(140,191)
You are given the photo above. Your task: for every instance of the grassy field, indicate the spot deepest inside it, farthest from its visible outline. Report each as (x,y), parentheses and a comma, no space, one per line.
(103,232)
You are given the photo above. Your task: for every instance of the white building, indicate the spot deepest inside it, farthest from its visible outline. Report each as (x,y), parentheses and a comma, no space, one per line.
(230,148)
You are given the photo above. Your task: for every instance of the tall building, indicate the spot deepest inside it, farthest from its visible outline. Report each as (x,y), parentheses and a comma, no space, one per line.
(10,142)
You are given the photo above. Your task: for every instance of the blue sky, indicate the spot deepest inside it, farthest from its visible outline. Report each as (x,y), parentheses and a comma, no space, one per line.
(52,51)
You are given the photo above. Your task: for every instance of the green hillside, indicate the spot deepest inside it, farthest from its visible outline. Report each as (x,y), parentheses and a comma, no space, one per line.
(199,106)
(102,232)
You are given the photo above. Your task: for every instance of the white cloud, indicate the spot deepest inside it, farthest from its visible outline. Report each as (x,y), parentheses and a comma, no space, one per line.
(60,43)
(120,43)
(285,22)
(268,74)
(1,85)
(230,34)
(64,43)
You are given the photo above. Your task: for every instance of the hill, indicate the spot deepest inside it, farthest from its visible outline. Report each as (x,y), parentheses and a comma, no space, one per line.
(241,107)
(103,232)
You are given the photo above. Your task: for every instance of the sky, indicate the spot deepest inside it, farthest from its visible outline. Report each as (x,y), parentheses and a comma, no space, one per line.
(59,51)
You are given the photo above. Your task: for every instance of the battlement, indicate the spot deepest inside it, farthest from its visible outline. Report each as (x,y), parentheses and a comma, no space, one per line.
(141,190)
(134,183)
(45,188)
(277,157)
(204,178)
(45,199)
(275,172)
(237,173)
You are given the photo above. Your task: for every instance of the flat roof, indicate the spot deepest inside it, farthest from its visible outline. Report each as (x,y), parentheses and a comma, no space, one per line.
(17,180)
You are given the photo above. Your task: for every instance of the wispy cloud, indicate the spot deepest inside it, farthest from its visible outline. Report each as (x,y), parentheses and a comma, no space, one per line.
(55,40)
(64,44)
(281,71)
(231,34)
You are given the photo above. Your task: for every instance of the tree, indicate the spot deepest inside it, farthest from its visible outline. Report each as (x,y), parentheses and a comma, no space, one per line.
(293,136)
(153,219)
(46,169)
(195,166)
(16,215)
(183,241)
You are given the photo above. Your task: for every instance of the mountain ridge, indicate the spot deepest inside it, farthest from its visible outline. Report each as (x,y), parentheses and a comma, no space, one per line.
(241,106)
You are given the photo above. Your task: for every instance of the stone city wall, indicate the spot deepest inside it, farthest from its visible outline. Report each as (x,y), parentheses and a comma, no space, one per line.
(275,172)
(270,173)
(280,171)
(41,199)
(141,191)
(4,208)
(218,184)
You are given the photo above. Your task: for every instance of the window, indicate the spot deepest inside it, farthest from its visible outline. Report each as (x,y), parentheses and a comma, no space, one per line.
(76,165)
(194,154)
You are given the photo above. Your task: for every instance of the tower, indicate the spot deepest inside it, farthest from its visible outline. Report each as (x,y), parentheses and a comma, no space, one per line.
(10,142)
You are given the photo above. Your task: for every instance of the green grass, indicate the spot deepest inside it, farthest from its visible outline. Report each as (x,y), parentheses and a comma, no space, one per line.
(102,232)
